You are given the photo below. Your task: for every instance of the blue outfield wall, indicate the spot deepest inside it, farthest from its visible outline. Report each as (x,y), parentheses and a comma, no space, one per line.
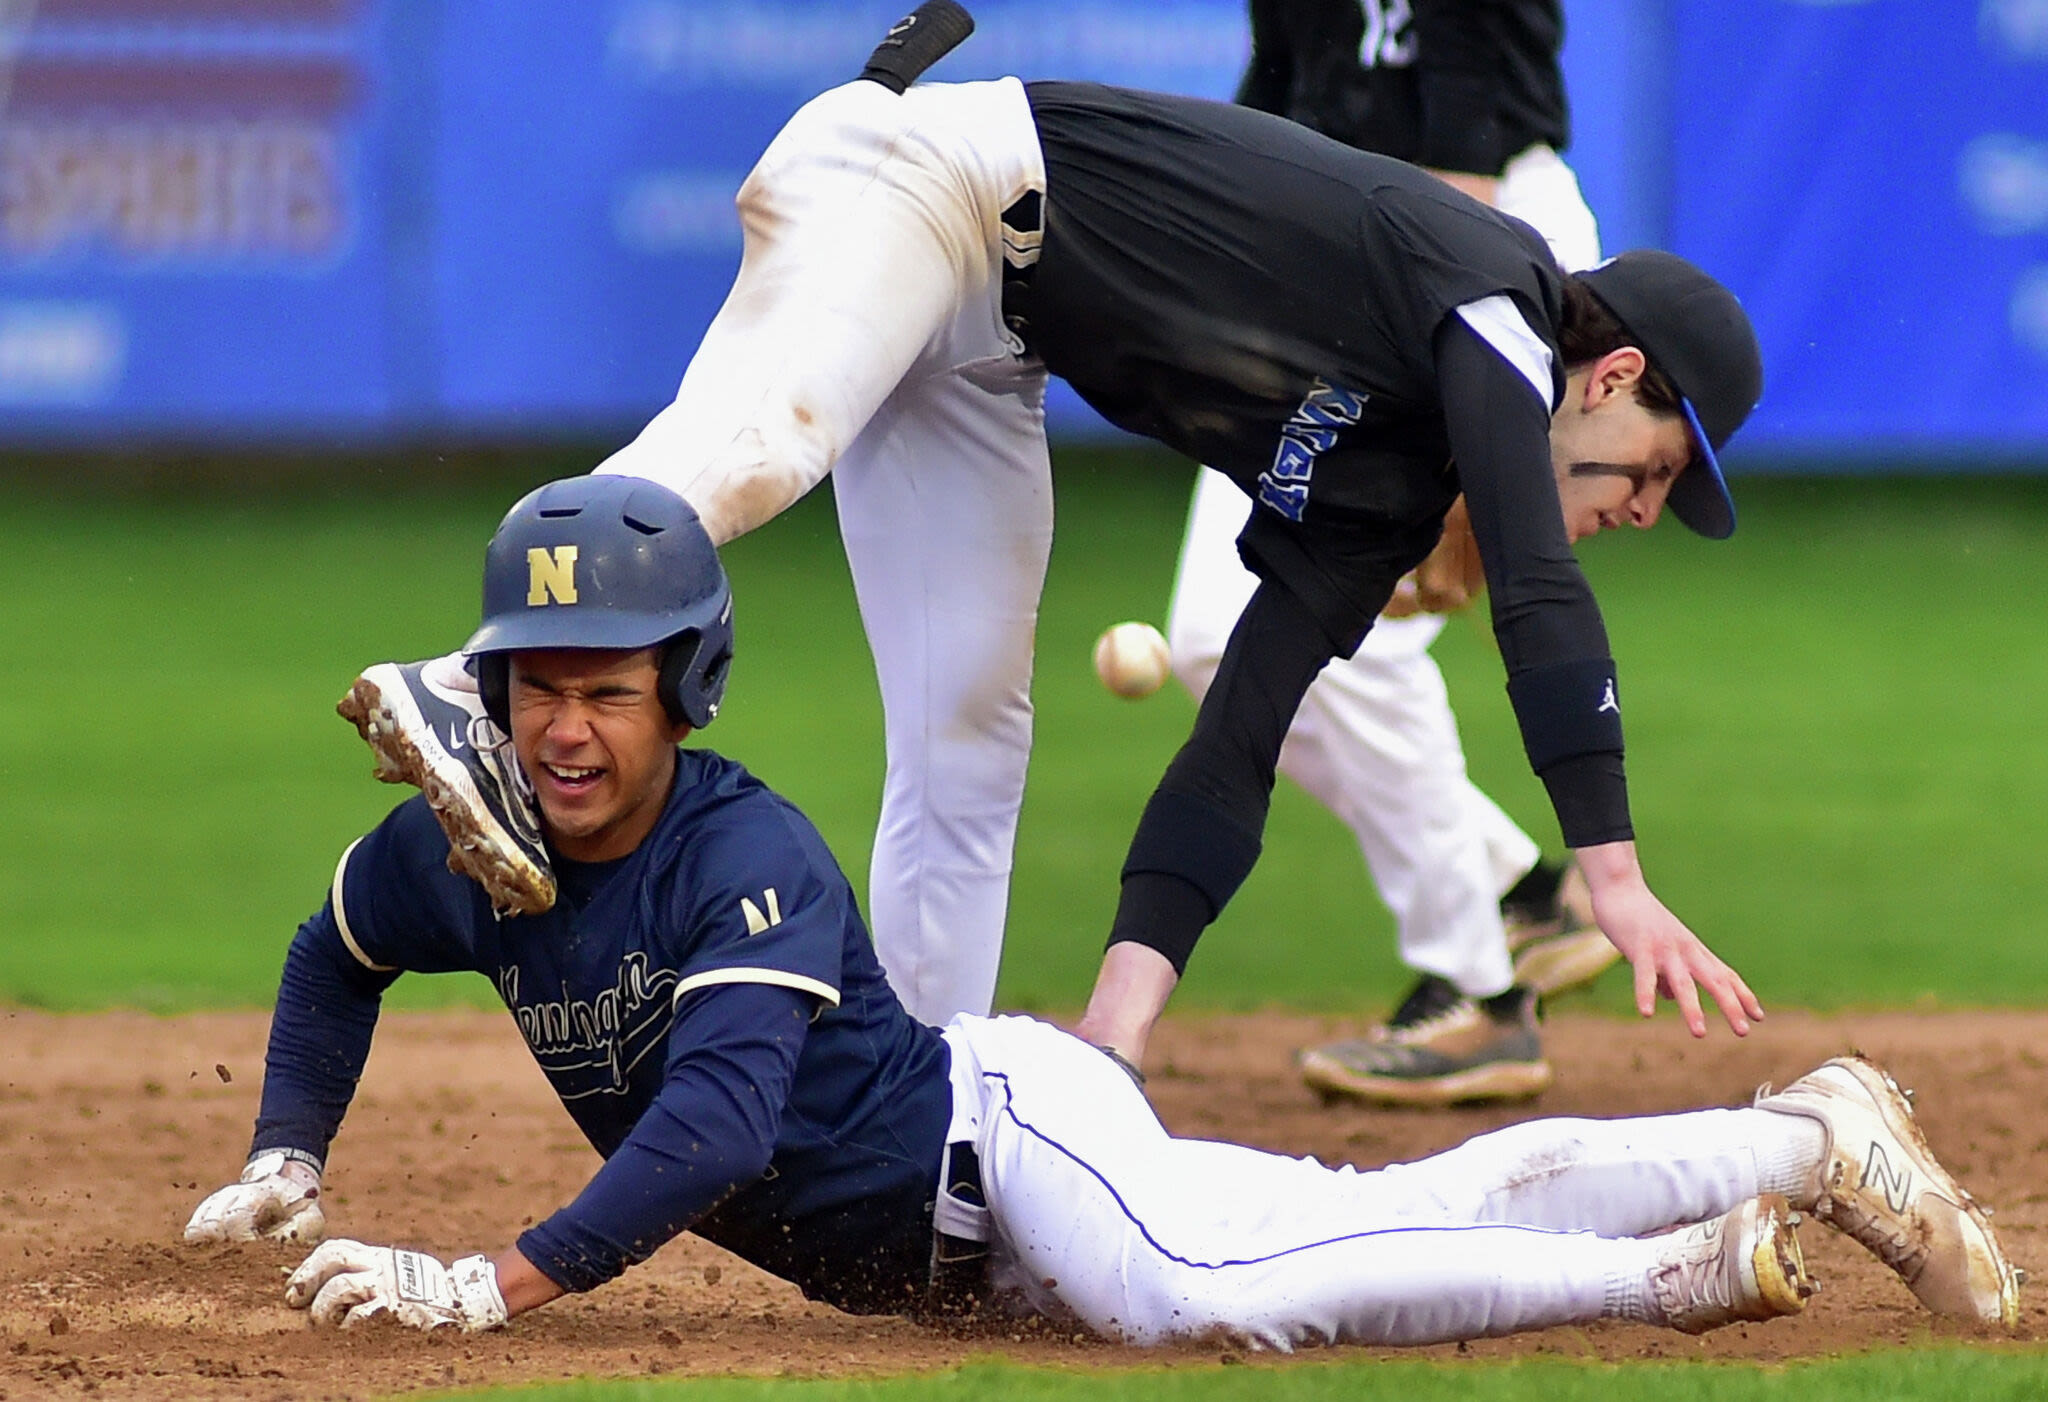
(352,220)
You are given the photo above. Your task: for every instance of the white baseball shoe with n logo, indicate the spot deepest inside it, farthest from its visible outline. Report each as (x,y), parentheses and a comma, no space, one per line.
(1881,1185)
(435,734)
(1743,1265)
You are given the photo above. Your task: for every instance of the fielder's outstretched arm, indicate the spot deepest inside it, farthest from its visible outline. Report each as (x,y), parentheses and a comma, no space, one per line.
(1561,673)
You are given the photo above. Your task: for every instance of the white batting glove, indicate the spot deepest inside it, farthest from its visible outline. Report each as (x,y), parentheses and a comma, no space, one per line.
(345,1282)
(277,1198)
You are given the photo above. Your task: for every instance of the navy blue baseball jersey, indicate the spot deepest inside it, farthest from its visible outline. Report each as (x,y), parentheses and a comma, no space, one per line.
(708,1008)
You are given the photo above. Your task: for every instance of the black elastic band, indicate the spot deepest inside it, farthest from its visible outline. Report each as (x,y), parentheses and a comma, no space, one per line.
(1163,913)
(1567,709)
(916,42)
(1197,840)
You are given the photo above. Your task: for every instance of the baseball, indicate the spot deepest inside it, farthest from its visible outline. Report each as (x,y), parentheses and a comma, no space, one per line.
(1132,660)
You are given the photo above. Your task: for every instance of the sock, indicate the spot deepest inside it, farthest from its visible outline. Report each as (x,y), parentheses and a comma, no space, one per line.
(1537,890)
(1628,1289)
(1788,1149)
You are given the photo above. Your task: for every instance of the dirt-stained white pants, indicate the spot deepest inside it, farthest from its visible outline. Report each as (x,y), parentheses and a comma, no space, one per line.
(863,336)
(1375,741)
(1096,1213)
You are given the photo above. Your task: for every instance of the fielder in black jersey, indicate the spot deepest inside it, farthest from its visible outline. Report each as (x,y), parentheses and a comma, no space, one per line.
(1352,341)
(1470,90)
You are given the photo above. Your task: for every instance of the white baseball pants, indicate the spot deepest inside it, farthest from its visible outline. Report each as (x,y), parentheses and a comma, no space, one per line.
(863,336)
(1375,741)
(1096,1213)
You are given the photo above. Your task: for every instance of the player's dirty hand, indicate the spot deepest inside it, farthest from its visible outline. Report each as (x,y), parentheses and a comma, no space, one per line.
(275,1200)
(346,1283)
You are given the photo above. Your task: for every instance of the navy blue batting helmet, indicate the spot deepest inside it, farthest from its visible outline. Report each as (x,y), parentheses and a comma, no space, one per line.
(607,562)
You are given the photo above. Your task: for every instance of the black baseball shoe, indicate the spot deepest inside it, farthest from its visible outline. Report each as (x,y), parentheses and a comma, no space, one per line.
(1439,1048)
(439,738)
(1551,934)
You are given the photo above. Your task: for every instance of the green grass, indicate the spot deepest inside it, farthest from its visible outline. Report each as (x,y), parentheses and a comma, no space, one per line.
(1836,753)
(1926,1375)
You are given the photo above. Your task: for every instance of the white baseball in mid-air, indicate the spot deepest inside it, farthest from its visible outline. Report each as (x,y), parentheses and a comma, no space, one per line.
(1132,659)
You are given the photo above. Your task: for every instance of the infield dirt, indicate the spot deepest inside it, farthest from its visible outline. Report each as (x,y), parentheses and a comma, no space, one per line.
(113,1126)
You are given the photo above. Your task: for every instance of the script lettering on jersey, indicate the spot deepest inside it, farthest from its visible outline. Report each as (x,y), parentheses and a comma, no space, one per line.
(550,573)
(588,1046)
(1308,433)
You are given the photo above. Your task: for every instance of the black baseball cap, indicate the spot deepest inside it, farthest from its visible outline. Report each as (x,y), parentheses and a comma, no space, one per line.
(1692,329)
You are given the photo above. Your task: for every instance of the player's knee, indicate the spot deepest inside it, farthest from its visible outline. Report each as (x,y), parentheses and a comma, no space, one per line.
(759,475)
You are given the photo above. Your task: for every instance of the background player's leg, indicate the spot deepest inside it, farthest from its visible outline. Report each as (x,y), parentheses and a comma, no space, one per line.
(945,505)
(1150,1238)
(1538,188)
(1375,742)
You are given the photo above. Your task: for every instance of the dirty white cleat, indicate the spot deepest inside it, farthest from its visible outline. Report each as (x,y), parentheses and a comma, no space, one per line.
(1745,1265)
(1880,1184)
(437,736)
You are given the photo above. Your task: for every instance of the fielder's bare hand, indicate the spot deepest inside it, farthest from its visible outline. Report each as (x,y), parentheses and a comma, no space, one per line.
(1669,959)
(347,1282)
(276,1199)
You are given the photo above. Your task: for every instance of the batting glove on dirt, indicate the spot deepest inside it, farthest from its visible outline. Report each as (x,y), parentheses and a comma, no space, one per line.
(345,1282)
(277,1198)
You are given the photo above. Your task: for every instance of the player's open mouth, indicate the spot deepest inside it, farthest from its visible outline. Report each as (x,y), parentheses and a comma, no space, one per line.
(572,778)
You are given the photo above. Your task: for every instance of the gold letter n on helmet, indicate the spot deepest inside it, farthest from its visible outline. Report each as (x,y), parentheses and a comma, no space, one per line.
(550,572)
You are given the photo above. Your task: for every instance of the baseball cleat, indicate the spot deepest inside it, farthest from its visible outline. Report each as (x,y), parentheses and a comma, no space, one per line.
(1439,1048)
(1880,1184)
(439,738)
(1744,1265)
(1551,932)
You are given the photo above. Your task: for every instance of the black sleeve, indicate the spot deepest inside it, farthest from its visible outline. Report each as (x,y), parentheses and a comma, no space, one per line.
(1268,78)
(1201,832)
(1561,676)
(1458,72)
(327,1004)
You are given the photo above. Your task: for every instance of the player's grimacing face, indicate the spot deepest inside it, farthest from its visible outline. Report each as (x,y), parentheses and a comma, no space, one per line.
(1614,459)
(590,731)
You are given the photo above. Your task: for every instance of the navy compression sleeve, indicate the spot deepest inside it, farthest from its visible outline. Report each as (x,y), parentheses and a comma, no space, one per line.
(1545,618)
(732,1057)
(327,1005)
